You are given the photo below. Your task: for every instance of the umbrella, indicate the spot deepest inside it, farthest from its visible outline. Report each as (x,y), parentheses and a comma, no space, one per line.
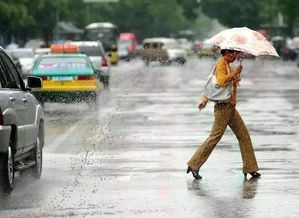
(244,40)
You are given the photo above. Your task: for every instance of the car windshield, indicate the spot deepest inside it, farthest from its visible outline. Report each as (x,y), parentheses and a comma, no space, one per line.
(63,64)
(91,51)
(107,36)
(153,45)
(124,44)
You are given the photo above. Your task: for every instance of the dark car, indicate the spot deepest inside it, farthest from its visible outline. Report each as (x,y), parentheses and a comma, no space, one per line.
(21,124)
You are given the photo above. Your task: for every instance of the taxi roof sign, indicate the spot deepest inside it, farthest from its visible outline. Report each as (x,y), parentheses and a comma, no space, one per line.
(64,48)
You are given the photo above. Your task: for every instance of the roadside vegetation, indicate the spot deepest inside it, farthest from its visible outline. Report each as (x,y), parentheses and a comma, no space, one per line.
(25,19)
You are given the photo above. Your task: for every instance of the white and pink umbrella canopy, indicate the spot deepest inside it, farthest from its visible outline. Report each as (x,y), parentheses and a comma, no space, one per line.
(245,40)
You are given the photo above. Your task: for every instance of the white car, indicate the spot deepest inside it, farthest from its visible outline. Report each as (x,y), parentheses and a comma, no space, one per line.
(174,51)
(21,124)
(96,53)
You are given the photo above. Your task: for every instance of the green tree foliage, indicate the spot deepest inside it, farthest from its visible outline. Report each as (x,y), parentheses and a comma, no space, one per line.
(233,13)
(290,10)
(25,19)
(189,8)
(252,13)
(144,17)
(13,17)
(14,14)
(46,13)
(268,10)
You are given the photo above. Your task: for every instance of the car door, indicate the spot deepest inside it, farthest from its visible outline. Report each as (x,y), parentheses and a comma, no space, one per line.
(30,103)
(16,99)
(31,125)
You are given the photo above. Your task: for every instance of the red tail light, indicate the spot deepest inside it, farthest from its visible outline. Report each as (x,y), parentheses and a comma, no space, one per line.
(131,48)
(104,62)
(86,77)
(1,117)
(44,77)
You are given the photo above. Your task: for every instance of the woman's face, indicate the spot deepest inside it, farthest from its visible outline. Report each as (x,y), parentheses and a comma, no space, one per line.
(231,56)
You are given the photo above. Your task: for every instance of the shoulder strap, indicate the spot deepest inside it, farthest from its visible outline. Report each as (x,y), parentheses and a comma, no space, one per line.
(213,71)
(227,68)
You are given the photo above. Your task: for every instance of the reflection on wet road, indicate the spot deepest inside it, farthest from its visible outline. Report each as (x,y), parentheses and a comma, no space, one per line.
(128,157)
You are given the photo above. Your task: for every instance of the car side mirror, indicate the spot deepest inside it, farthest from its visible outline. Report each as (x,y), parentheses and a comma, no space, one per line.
(34,82)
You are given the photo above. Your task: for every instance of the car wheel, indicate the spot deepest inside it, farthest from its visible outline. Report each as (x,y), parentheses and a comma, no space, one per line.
(38,153)
(93,101)
(7,171)
(181,60)
(106,82)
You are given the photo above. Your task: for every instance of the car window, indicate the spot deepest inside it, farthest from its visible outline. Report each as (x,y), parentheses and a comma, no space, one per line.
(91,51)
(146,45)
(154,45)
(124,44)
(8,71)
(13,71)
(3,79)
(170,45)
(63,63)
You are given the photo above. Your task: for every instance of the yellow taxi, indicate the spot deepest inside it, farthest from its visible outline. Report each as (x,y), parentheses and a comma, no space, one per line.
(67,75)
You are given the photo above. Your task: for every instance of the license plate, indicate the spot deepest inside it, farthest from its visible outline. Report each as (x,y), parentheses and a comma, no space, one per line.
(62,78)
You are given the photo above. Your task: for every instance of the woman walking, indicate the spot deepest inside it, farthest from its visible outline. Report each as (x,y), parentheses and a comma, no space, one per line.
(226,114)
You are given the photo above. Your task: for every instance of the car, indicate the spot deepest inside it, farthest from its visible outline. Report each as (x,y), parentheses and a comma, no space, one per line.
(21,124)
(95,51)
(25,57)
(209,51)
(186,45)
(127,46)
(174,50)
(153,51)
(164,50)
(289,54)
(107,33)
(68,76)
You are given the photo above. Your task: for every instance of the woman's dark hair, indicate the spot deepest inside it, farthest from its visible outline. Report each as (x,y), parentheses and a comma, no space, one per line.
(224,51)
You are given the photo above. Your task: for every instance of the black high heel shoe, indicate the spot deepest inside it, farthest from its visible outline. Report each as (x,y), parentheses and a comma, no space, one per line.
(253,175)
(194,173)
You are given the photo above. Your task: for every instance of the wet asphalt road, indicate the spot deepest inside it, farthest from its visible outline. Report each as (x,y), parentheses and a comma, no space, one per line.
(128,158)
